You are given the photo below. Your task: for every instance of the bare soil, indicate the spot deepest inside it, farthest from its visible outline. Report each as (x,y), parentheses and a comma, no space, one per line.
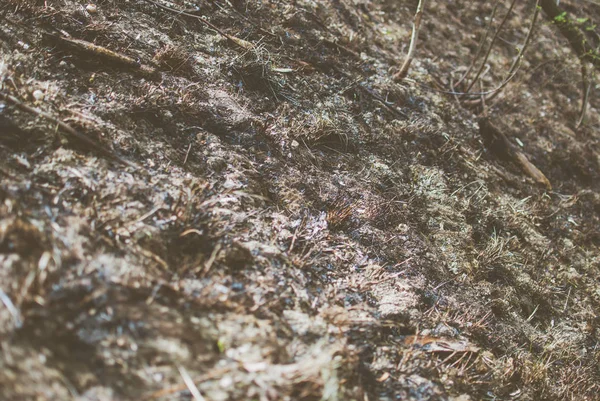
(259,212)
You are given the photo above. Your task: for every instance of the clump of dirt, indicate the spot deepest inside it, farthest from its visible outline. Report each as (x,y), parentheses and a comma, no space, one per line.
(233,200)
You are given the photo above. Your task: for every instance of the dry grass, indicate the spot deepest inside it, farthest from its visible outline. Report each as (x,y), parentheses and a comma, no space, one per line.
(300,227)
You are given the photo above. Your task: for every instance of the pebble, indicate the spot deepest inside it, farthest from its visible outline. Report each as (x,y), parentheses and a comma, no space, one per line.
(38,95)
(91,8)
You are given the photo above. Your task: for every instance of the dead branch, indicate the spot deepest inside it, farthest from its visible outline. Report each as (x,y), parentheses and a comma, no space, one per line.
(587,79)
(103,54)
(516,62)
(400,75)
(498,143)
(65,128)
(237,41)
(487,54)
(480,46)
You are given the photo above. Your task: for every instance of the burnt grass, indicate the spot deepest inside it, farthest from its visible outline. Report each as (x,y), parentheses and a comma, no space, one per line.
(294,225)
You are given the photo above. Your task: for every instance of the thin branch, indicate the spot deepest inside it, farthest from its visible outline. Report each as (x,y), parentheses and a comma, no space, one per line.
(587,78)
(480,47)
(400,75)
(66,128)
(103,54)
(237,41)
(487,55)
(517,61)
(495,140)
(190,384)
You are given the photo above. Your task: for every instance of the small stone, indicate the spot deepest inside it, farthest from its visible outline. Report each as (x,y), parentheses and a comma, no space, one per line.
(38,95)
(91,8)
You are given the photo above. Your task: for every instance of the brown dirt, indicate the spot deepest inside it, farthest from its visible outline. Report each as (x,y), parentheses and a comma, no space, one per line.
(298,226)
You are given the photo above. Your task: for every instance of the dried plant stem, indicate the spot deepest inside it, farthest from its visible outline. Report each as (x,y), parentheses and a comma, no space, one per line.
(190,384)
(586,83)
(516,62)
(496,141)
(103,54)
(237,41)
(65,128)
(12,309)
(480,47)
(487,54)
(400,75)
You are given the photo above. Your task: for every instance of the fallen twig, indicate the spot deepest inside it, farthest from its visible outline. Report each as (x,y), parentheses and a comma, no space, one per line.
(66,128)
(16,314)
(515,65)
(190,384)
(498,143)
(245,18)
(103,54)
(237,41)
(215,373)
(370,92)
(382,101)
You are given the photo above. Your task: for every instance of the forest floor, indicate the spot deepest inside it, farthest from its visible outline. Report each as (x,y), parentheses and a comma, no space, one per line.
(255,210)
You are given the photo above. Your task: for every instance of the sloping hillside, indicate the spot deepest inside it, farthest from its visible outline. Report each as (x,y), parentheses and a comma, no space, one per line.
(233,200)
